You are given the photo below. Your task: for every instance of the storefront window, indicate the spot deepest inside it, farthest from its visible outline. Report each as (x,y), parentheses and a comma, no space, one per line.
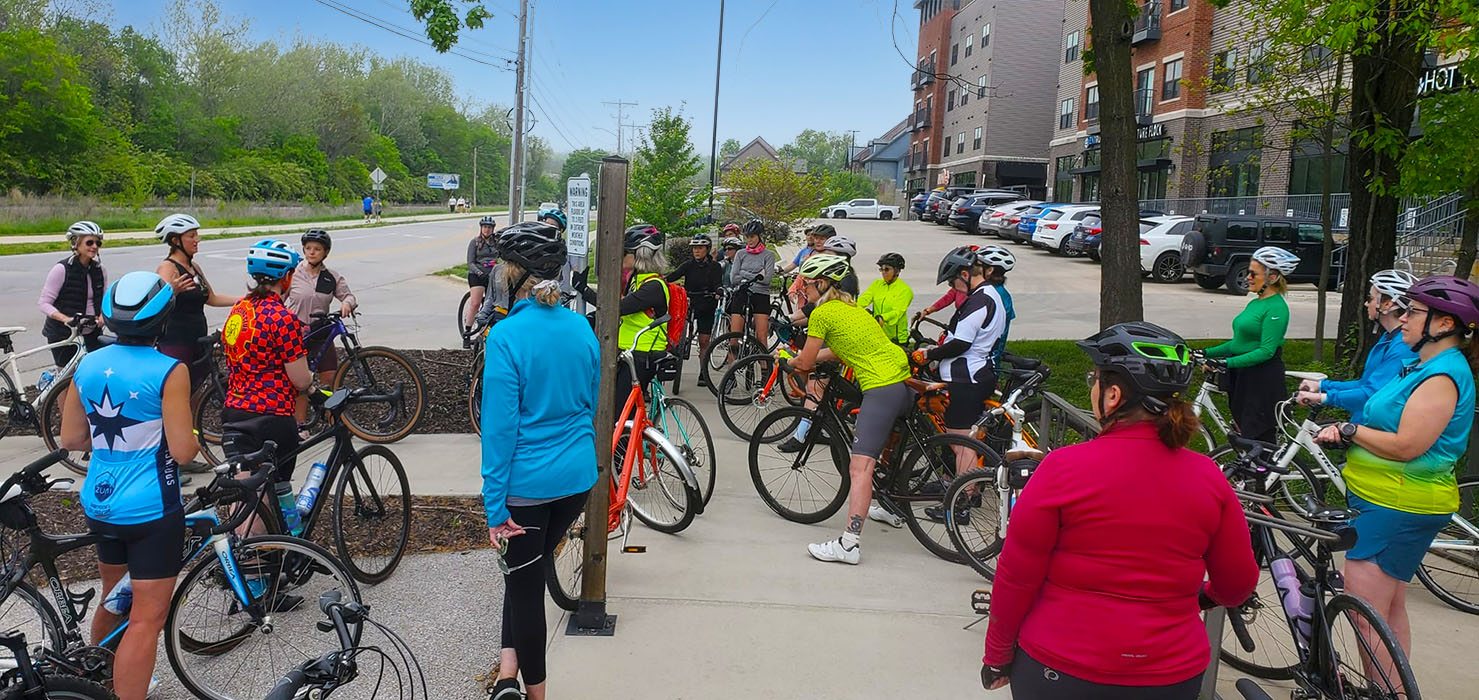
(1091,158)
(1091,187)
(1307,167)
(1063,178)
(1234,166)
(1153,183)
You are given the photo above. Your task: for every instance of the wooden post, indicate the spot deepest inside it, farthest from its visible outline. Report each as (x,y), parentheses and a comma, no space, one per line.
(591,618)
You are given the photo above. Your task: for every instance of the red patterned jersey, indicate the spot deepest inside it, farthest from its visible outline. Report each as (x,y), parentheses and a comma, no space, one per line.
(261,337)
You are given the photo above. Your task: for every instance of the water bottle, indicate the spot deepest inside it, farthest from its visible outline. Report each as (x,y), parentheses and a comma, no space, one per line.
(121,598)
(1299,604)
(47,377)
(289,508)
(311,485)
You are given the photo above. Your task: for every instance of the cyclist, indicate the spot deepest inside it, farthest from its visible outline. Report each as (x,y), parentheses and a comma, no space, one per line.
(815,237)
(538,444)
(313,290)
(844,246)
(73,293)
(181,336)
(132,409)
(888,297)
(1255,354)
(1385,303)
(728,248)
(645,298)
(554,217)
(1117,535)
(482,252)
(754,259)
(1403,454)
(999,261)
(852,336)
(702,277)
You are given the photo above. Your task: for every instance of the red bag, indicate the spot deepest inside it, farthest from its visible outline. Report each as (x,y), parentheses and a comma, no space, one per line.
(677,314)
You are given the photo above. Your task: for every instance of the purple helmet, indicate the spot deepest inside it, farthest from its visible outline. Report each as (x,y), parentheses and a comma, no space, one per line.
(1450,295)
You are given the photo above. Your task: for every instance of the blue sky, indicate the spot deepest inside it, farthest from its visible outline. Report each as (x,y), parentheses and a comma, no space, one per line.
(788,64)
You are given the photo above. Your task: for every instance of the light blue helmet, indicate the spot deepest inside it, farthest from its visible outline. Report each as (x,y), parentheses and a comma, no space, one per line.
(551,213)
(137,305)
(271,260)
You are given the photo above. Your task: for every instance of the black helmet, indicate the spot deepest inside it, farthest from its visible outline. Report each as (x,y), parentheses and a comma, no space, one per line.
(893,260)
(753,227)
(138,305)
(487,221)
(700,239)
(954,262)
(319,236)
(534,246)
(1156,361)
(642,236)
(822,230)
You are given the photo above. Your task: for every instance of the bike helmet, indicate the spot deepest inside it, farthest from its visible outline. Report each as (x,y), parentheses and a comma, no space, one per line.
(488,221)
(534,246)
(954,263)
(319,236)
(1156,361)
(1450,295)
(893,260)
(137,305)
(996,256)
(832,267)
(732,242)
(1393,284)
(1276,259)
(271,260)
(753,227)
(730,229)
(841,245)
(824,231)
(642,237)
(559,216)
(175,225)
(83,228)
(701,240)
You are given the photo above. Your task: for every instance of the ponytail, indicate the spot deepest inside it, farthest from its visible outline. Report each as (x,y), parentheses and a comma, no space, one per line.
(1175,426)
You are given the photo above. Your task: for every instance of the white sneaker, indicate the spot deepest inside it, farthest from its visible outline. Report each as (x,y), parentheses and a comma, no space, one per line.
(153,686)
(832,550)
(881,514)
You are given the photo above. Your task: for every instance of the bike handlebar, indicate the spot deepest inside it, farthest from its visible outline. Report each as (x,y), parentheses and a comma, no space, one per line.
(30,478)
(334,667)
(1250,690)
(226,489)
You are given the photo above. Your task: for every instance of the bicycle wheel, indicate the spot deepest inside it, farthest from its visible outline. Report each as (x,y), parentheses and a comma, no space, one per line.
(51,426)
(475,401)
(686,428)
(794,485)
(973,513)
(57,686)
(26,611)
(372,513)
(562,573)
(382,372)
(1273,655)
(926,470)
(11,400)
(1366,661)
(750,390)
(462,314)
(206,406)
(215,647)
(718,357)
(659,492)
(1451,568)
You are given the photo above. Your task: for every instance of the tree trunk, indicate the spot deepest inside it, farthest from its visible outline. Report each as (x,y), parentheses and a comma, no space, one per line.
(1327,217)
(1119,276)
(1466,243)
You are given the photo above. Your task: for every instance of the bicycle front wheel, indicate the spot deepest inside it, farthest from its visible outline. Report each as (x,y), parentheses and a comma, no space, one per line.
(372,514)
(1365,662)
(686,428)
(973,515)
(1451,568)
(58,686)
(807,485)
(724,350)
(11,399)
(751,389)
(475,401)
(394,387)
(925,474)
(51,426)
(462,314)
(206,406)
(27,612)
(224,650)
(658,491)
(562,573)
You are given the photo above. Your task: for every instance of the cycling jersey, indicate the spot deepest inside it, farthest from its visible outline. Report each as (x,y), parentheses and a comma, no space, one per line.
(261,337)
(968,352)
(1383,363)
(481,252)
(314,292)
(1006,303)
(1258,333)
(856,338)
(700,276)
(131,478)
(890,303)
(646,299)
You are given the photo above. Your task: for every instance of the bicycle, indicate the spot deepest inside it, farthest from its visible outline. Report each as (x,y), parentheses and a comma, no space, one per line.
(753,387)
(684,348)
(685,427)
(44,413)
(395,392)
(728,347)
(1335,636)
(319,678)
(1204,404)
(24,681)
(914,459)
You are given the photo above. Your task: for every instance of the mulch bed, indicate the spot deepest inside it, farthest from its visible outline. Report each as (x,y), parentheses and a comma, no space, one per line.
(447,374)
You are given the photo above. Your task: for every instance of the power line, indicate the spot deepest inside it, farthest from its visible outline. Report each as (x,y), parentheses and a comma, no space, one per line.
(409,34)
(537,105)
(567,116)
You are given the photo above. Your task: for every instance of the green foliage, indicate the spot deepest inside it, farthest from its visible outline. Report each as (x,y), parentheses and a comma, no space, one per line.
(1446,156)
(443,21)
(775,194)
(583,160)
(47,123)
(658,190)
(821,150)
(843,185)
(729,148)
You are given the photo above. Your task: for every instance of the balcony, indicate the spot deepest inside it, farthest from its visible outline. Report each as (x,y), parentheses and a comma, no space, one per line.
(923,75)
(1148,24)
(1144,106)
(922,118)
(915,161)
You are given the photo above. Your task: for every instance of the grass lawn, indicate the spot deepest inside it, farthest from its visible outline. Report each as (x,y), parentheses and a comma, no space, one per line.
(124,219)
(458,271)
(62,246)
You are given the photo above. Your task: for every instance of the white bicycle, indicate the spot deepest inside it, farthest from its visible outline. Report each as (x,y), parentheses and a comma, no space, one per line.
(43,413)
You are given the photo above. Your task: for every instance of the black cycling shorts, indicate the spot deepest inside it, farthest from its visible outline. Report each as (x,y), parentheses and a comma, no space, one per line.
(476,279)
(752,304)
(152,550)
(967,401)
(703,308)
(243,432)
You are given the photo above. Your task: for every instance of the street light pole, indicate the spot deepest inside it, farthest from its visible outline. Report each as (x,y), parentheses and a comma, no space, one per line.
(475,175)
(714,138)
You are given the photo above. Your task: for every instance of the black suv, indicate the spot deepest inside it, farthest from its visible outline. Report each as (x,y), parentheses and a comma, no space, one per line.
(1219,246)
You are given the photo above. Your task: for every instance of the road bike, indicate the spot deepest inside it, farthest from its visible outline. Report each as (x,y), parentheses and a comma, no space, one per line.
(23,680)
(728,347)
(1204,404)
(44,412)
(321,677)
(753,387)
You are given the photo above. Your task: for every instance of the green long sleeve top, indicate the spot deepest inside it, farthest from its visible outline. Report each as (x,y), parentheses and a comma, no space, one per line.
(890,304)
(1258,333)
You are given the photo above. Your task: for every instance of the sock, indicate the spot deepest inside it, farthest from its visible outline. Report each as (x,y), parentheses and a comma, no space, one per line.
(802,426)
(850,540)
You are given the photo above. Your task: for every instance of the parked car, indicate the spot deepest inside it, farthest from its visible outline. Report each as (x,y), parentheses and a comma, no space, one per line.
(935,209)
(982,202)
(1085,238)
(965,215)
(1219,246)
(1160,247)
(1028,220)
(1053,227)
(916,203)
(995,220)
(861,209)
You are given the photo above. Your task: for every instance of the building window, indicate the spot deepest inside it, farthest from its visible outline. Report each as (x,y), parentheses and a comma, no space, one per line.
(1090,182)
(1065,114)
(1153,183)
(1171,83)
(1145,92)
(976,143)
(1154,149)
(960,143)
(1316,57)
(1307,166)
(965,96)
(970,40)
(954,54)
(945,152)
(1091,104)
(1258,62)
(1071,47)
(1224,70)
(1178,5)
(1063,179)
(950,101)
(1091,157)
(985,36)
(1233,167)
(981,86)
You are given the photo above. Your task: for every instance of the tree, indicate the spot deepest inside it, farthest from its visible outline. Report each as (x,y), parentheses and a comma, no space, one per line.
(583,160)
(777,195)
(842,185)
(659,191)
(1119,278)
(445,19)
(1445,158)
(47,123)
(821,150)
(729,148)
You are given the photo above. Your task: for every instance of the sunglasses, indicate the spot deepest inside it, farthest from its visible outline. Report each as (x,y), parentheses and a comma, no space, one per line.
(502,550)
(1090,378)
(885,268)
(93,243)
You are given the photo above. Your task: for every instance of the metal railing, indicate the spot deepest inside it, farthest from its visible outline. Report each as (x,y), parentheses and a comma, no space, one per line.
(922,118)
(1148,24)
(1061,423)
(1091,112)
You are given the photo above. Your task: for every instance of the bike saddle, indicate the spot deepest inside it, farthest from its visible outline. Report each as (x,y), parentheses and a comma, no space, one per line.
(920,386)
(1020,363)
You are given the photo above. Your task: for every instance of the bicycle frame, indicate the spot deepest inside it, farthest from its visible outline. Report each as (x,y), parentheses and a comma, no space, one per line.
(1203,404)
(11,363)
(341,456)
(634,418)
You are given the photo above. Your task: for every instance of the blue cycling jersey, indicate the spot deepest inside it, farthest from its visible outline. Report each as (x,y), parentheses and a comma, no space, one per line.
(131,478)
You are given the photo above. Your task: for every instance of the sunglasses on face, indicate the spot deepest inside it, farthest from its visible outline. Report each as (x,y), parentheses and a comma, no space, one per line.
(93,243)
(885,268)
(1090,377)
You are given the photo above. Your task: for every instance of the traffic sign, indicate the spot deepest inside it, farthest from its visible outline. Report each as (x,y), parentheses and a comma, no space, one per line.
(442,181)
(378,176)
(578,202)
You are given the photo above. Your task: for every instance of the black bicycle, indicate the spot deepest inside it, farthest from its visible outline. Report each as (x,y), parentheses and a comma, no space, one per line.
(730,346)
(319,678)
(27,682)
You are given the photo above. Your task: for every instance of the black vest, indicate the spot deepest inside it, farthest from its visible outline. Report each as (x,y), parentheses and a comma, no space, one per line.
(72,298)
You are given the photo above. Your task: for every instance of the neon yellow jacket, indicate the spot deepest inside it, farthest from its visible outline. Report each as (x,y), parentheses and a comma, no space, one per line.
(890,304)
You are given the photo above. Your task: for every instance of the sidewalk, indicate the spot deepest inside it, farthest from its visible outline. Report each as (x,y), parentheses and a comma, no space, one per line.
(267,228)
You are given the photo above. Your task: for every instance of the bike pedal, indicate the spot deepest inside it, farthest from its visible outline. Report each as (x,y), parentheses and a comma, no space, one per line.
(635,549)
(981,601)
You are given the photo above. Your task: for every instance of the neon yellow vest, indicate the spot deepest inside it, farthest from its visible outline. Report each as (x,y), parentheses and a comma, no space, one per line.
(655,340)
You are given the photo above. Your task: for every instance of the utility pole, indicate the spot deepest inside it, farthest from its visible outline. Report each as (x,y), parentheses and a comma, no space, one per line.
(852,145)
(714,139)
(475,175)
(524,157)
(620,105)
(516,155)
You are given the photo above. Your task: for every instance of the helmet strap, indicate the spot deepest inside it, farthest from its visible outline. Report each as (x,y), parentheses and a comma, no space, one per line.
(1428,335)
(513,289)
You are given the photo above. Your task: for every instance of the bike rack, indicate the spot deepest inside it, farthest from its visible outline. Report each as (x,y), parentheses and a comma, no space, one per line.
(1056,413)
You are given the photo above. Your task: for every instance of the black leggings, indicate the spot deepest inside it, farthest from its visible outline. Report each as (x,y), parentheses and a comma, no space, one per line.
(1034,681)
(524,628)
(1253,395)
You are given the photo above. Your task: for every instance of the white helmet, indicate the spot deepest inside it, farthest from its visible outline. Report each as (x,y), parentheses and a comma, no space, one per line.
(174,225)
(996,256)
(1276,259)
(841,245)
(83,228)
(1393,284)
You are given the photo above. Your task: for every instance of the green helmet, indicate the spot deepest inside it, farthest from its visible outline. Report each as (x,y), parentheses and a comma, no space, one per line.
(832,267)
(1156,361)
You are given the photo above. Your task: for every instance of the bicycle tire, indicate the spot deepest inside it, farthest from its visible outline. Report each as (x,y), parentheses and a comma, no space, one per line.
(1344,605)
(772,470)
(475,401)
(399,418)
(462,327)
(366,506)
(658,479)
(205,419)
(290,563)
(50,419)
(934,460)
(11,399)
(1274,656)
(1443,570)
(743,398)
(976,538)
(47,626)
(716,358)
(58,686)
(563,571)
(690,434)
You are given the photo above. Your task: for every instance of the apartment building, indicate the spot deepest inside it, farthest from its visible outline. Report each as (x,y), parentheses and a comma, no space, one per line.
(980,89)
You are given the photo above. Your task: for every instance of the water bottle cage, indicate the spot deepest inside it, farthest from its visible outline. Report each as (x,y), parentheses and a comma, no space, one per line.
(81,601)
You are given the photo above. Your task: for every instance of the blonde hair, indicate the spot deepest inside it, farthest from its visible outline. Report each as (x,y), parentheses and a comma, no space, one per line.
(1273,279)
(546,292)
(647,261)
(836,293)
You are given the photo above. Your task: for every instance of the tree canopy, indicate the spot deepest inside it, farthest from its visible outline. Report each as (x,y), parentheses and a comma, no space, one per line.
(661,190)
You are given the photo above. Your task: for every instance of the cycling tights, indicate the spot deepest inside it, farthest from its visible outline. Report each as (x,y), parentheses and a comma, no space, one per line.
(523,588)
(1034,681)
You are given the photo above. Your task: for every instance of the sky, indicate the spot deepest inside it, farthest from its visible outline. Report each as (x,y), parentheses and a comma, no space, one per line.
(788,65)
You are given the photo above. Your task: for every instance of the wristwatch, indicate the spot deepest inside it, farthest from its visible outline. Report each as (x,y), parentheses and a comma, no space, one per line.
(1347,431)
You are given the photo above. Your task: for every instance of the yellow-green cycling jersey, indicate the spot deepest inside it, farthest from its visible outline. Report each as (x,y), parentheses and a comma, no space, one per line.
(890,305)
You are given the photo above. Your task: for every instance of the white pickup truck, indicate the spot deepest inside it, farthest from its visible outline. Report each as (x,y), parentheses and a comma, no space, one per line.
(861,209)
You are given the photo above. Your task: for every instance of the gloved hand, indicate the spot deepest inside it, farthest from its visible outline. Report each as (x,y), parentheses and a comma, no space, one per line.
(918,357)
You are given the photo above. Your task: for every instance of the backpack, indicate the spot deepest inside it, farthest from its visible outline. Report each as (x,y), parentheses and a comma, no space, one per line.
(677,314)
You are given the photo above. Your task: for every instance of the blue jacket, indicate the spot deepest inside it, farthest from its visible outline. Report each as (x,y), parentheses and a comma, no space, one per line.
(540,375)
(1006,305)
(1383,364)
